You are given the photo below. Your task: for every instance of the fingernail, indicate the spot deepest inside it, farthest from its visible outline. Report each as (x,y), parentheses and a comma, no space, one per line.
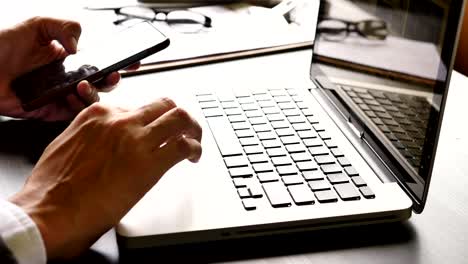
(88,90)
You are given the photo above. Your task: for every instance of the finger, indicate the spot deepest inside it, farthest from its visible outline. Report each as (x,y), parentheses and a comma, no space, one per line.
(74,103)
(87,93)
(150,112)
(176,122)
(176,151)
(109,82)
(67,32)
(133,67)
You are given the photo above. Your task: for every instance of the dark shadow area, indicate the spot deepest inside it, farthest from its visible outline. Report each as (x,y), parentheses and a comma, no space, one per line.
(275,245)
(28,138)
(90,256)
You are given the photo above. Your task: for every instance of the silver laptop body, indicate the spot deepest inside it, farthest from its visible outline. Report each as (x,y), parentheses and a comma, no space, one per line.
(281,158)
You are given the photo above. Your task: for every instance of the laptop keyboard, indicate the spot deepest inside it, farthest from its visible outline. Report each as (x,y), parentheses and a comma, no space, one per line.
(275,148)
(402,118)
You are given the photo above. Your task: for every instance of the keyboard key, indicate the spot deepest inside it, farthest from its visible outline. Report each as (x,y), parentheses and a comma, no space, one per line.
(358,181)
(295,148)
(249,141)
(292,112)
(271,110)
(262,97)
(337,152)
(249,150)
(351,171)
(241,172)
(367,192)
(313,175)
(302,105)
(267,144)
(239,93)
(227,105)
(296,119)
(233,111)
(210,104)
(224,136)
(226,96)
(262,128)
(301,194)
(324,135)
(255,189)
(319,185)
(258,120)
(254,113)
(318,127)
(275,117)
(266,103)
(301,126)
(244,133)
(258,158)
(276,152)
(331,168)
(267,176)
(313,142)
(330,144)
(337,178)
(324,159)
(245,100)
(292,180)
(283,100)
(240,182)
(281,161)
(290,140)
(344,162)
(307,134)
(280,124)
(327,196)
(316,151)
(287,170)
(243,192)
(347,192)
(306,166)
(266,135)
(236,161)
(249,204)
(240,126)
(249,107)
(212,112)
(277,194)
(307,112)
(205,97)
(237,118)
(301,156)
(284,132)
(263,167)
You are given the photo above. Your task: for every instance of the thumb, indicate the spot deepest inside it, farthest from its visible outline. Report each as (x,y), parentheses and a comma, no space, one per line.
(66,32)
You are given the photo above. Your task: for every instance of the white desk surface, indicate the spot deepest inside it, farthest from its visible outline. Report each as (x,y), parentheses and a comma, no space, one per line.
(438,235)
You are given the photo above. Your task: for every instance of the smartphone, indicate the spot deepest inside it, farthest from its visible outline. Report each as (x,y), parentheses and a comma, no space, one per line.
(117,51)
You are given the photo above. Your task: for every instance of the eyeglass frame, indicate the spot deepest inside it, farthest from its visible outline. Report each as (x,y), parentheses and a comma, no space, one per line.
(353,27)
(127,17)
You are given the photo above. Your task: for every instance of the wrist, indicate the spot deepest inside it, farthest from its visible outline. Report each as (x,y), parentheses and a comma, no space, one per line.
(29,206)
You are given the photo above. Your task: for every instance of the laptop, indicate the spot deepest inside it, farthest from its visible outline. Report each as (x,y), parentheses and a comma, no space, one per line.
(355,147)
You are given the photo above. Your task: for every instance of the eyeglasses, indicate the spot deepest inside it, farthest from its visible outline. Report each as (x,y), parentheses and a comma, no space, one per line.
(184,21)
(337,29)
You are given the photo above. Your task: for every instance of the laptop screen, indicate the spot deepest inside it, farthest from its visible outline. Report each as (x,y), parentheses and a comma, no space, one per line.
(387,63)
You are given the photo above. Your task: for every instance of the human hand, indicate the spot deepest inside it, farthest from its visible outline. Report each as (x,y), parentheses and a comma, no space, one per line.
(36,42)
(90,176)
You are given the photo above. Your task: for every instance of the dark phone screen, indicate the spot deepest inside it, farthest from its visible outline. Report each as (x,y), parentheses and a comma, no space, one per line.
(102,54)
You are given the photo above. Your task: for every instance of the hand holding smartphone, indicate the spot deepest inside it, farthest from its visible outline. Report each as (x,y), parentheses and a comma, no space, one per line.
(58,79)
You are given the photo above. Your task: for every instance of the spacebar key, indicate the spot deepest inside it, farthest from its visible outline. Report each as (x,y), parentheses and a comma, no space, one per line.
(225,137)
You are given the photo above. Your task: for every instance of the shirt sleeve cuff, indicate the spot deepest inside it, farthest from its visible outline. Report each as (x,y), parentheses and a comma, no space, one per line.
(21,235)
